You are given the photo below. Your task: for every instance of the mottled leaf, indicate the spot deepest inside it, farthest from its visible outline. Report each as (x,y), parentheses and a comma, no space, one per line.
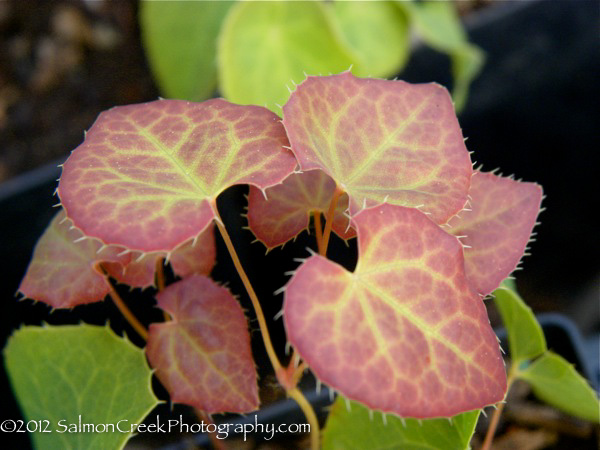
(63,271)
(382,140)
(147,176)
(366,26)
(287,211)
(404,333)
(84,374)
(556,382)
(351,425)
(180,39)
(266,46)
(525,336)
(203,356)
(497,229)
(198,255)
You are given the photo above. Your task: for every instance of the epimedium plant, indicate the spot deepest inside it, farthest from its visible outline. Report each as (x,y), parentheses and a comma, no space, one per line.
(406,333)
(250,51)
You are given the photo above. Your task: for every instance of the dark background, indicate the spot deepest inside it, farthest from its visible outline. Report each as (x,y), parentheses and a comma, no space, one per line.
(533,112)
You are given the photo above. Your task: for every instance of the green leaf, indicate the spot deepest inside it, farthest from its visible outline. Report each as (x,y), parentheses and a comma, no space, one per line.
(265,46)
(359,428)
(466,65)
(438,24)
(180,40)
(557,383)
(365,26)
(62,374)
(525,336)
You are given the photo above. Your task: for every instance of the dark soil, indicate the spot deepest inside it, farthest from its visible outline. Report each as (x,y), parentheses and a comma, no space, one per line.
(61,64)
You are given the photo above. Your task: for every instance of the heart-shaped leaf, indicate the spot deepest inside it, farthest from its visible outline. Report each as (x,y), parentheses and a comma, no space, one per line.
(203,356)
(382,141)
(497,229)
(266,47)
(76,379)
(289,206)
(404,333)
(64,269)
(147,176)
(198,255)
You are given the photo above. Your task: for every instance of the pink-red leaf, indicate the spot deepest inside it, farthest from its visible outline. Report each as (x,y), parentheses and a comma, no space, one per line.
(382,141)
(198,255)
(203,356)
(147,176)
(497,229)
(64,269)
(287,211)
(404,333)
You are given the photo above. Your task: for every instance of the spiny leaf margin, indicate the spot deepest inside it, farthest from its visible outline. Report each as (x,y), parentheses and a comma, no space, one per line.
(404,333)
(147,175)
(381,140)
(203,355)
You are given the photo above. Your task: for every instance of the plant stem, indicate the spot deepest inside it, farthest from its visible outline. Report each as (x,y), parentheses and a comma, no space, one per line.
(329,220)
(318,231)
(160,282)
(280,371)
(309,412)
(160,274)
(264,331)
(125,311)
(491,431)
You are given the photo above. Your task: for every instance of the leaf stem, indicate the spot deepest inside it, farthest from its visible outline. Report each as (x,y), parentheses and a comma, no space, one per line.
(160,274)
(491,431)
(329,220)
(318,230)
(160,282)
(280,371)
(124,309)
(309,412)
(264,331)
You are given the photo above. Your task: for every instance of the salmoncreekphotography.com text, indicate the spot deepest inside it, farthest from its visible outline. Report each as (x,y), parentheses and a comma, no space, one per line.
(221,431)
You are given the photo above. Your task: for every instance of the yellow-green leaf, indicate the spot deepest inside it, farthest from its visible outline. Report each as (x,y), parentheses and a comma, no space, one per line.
(556,382)
(377,32)
(76,374)
(265,46)
(180,40)
(352,426)
(525,336)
